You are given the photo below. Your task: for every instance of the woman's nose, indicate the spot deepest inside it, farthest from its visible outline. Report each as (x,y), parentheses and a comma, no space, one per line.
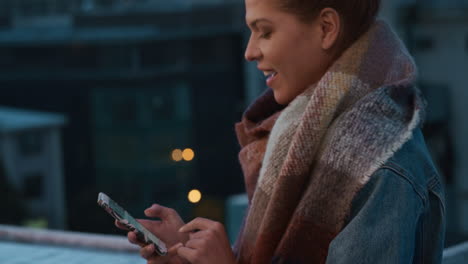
(252,52)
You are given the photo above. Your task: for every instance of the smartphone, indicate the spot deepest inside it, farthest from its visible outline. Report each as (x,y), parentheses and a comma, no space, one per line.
(126,219)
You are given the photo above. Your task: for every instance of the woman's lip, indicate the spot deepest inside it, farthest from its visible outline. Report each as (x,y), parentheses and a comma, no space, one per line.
(271,79)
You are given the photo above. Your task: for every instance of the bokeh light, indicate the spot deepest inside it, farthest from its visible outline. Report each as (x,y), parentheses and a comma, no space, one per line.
(194,196)
(176,155)
(188,154)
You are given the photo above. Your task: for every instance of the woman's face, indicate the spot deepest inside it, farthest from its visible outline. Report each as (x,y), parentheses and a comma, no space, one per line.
(289,52)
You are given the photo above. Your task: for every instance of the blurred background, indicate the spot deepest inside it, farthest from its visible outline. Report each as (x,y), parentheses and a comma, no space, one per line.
(138,99)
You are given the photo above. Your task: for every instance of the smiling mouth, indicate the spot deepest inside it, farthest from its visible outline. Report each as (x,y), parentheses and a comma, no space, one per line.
(270,76)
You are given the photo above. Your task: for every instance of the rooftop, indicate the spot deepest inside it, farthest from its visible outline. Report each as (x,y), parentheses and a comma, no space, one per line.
(12,119)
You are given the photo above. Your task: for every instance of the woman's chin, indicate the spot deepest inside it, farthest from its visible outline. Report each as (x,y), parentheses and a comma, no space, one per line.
(281,98)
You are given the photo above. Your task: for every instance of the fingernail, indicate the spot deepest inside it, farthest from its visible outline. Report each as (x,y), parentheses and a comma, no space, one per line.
(182,229)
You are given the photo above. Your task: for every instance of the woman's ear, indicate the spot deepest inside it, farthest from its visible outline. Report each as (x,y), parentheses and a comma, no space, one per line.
(330,25)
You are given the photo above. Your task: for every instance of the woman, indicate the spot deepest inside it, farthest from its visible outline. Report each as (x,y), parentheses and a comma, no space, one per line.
(335,165)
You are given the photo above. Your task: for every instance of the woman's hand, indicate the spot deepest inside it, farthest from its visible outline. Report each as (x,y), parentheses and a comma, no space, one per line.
(208,243)
(166,230)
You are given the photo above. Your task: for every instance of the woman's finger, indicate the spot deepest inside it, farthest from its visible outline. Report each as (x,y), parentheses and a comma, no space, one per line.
(195,243)
(162,212)
(198,234)
(200,224)
(172,252)
(187,253)
(121,226)
(147,251)
(150,224)
(132,237)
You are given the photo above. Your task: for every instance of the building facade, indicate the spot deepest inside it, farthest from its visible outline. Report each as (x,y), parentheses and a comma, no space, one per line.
(31,154)
(135,86)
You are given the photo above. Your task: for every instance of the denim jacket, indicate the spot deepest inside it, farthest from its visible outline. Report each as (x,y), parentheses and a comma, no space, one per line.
(399,215)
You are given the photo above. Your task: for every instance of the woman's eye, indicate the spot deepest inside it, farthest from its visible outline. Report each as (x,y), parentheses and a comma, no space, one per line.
(265,35)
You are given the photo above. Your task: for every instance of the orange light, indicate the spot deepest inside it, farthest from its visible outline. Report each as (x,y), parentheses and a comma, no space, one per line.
(176,155)
(194,196)
(188,154)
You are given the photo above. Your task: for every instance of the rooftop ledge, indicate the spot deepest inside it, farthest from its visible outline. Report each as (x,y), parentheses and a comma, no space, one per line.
(453,255)
(66,239)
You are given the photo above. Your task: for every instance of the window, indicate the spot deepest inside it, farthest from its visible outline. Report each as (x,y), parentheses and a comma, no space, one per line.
(31,143)
(163,54)
(122,150)
(183,105)
(106,3)
(162,107)
(33,7)
(115,57)
(8,58)
(33,185)
(124,110)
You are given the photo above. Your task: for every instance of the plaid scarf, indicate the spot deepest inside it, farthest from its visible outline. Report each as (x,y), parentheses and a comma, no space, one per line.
(304,164)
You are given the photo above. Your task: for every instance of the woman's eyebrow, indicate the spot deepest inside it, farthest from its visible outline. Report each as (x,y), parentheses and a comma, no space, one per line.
(254,23)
